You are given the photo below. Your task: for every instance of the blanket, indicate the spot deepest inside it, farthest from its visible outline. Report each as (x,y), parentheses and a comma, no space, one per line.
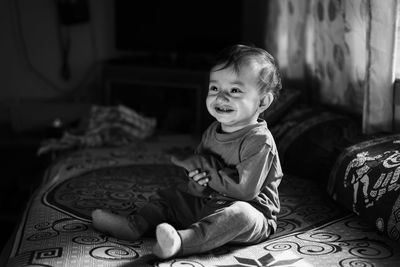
(56,227)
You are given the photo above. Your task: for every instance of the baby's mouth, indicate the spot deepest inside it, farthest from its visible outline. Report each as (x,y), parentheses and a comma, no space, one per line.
(223,109)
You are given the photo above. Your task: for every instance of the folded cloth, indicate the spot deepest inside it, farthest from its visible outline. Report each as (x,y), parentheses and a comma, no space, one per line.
(106,126)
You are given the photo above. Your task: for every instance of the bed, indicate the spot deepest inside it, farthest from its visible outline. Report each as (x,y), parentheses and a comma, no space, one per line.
(315,225)
(56,228)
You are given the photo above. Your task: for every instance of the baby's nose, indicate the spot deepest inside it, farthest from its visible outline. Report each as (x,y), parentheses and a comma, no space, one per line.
(222,96)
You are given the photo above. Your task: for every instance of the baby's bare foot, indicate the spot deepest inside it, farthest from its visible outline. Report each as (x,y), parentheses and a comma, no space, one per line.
(168,241)
(114,225)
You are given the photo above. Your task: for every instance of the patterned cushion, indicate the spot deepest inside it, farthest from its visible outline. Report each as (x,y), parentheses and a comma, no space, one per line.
(284,103)
(365,179)
(310,139)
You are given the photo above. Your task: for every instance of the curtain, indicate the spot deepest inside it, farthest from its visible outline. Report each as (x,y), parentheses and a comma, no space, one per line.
(345,48)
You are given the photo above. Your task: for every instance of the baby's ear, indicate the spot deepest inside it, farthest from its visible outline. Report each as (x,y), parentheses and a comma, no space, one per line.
(265,101)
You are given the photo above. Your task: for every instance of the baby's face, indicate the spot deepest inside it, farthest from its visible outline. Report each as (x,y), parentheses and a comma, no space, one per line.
(234,98)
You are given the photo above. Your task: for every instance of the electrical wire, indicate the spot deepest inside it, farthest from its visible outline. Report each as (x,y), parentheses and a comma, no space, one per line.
(40,75)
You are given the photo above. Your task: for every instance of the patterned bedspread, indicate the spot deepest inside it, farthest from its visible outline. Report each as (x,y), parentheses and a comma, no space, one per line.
(56,228)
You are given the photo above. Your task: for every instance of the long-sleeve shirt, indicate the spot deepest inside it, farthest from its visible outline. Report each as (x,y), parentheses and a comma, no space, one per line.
(242,165)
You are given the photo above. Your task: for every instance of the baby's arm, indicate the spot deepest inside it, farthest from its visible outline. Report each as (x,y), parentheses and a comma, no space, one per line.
(192,168)
(201,168)
(198,179)
(245,180)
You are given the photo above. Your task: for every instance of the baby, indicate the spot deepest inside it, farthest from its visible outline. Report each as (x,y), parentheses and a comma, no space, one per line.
(231,195)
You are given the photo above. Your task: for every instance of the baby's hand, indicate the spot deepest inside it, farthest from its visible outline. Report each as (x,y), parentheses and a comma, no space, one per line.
(200,177)
(192,169)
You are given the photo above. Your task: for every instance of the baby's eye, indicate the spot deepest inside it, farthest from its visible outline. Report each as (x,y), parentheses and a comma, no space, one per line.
(235,90)
(213,88)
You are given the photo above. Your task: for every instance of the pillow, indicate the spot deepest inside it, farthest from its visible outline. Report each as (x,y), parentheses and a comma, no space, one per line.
(283,104)
(310,139)
(365,179)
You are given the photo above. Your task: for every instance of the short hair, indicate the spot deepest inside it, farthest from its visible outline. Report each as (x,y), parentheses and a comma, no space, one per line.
(238,55)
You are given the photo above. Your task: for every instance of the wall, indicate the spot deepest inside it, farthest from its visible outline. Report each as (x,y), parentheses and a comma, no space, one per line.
(30,69)
(32,50)
(31,55)
(254,22)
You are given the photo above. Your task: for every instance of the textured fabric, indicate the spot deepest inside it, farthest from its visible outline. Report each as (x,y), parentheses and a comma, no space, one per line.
(365,179)
(310,139)
(345,49)
(249,166)
(56,228)
(105,126)
(287,99)
(383,35)
(205,223)
(227,222)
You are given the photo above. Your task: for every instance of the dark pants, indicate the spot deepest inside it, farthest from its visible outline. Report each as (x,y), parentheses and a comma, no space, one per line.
(203,223)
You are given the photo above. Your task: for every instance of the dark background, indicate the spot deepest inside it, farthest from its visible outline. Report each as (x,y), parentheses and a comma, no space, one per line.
(53,56)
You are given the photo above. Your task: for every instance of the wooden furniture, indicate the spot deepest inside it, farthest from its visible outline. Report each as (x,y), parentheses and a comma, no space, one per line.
(168,78)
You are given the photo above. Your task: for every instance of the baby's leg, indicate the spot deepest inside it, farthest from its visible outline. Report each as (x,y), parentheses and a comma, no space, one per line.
(238,223)
(168,241)
(116,225)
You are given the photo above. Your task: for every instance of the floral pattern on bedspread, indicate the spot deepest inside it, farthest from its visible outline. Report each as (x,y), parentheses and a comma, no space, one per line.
(56,229)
